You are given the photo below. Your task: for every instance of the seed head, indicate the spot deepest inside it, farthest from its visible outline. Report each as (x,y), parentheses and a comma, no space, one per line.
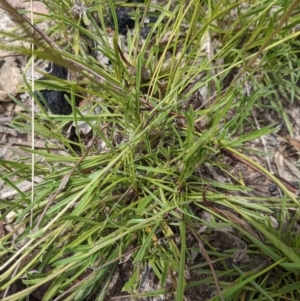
(79,9)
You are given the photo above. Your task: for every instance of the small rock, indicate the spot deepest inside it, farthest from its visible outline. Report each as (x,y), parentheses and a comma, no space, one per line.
(56,101)
(10,76)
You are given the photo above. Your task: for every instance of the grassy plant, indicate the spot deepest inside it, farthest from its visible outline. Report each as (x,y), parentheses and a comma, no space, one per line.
(136,193)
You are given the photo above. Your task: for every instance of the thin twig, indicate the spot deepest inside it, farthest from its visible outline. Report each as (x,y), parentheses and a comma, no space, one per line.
(205,255)
(284,182)
(32,120)
(5,55)
(63,183)
(36,147)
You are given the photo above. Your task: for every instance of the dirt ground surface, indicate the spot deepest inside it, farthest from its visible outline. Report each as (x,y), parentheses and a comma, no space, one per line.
(283,155)
(36,5)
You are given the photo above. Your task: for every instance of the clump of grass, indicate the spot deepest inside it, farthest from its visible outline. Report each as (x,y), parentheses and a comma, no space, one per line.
(140,190)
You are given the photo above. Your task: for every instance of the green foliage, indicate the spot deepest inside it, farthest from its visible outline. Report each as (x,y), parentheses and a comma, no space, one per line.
(142,196)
